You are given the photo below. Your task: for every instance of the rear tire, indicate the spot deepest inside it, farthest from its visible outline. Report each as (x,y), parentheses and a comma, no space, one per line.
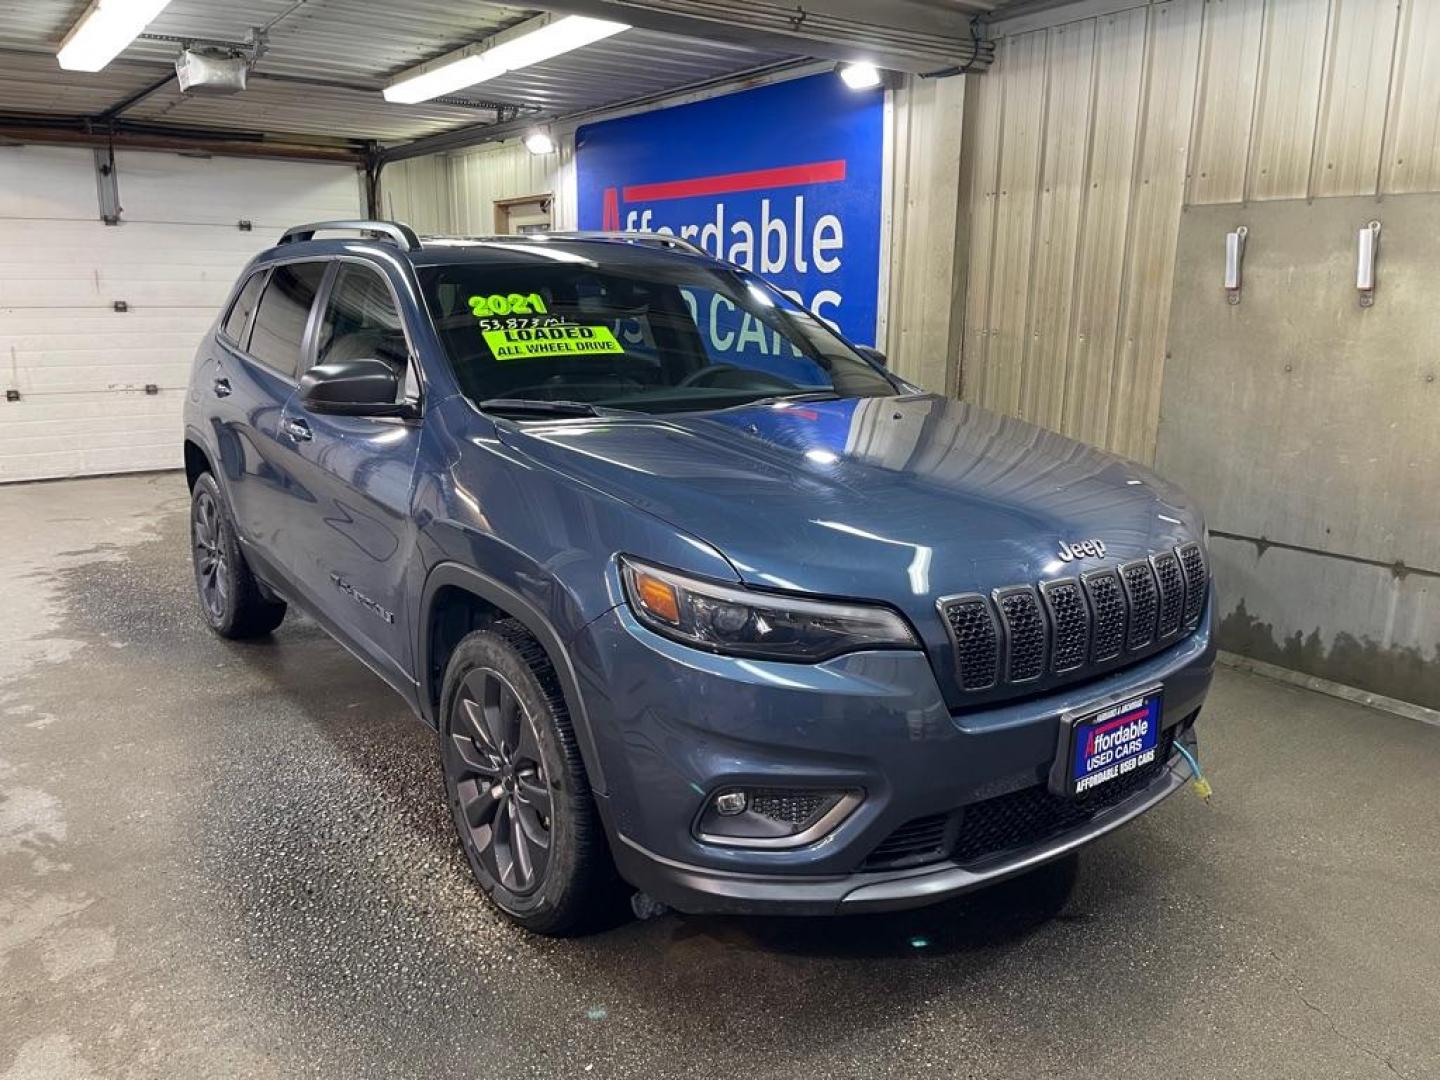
(517,788)
(231,600)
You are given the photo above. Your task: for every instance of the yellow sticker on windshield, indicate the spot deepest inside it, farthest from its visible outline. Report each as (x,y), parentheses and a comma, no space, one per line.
(567,339)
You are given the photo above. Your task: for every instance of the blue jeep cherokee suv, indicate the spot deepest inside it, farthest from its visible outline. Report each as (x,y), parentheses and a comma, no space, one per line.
(698,597)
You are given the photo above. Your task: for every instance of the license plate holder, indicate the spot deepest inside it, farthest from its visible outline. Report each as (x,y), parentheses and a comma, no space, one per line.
(1106,740)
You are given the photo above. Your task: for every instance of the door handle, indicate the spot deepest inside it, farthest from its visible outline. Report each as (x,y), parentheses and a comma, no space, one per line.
(298,430)
(221,387)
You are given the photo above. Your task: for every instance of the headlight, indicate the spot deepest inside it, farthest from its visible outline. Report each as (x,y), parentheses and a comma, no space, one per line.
(764,625)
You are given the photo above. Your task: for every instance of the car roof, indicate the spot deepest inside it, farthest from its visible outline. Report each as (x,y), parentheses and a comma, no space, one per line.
(386,238)
(539,249)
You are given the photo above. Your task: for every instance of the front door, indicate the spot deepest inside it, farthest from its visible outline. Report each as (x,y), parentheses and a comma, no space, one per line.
(253,377)
(354,535)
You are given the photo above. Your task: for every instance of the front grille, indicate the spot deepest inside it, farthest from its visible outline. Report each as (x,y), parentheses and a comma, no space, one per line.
(1033,815)
(1017,820)
(793,807)
(919,841)
(1070,629)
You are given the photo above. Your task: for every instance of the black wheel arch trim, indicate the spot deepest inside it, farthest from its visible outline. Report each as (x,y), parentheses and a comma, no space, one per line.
(534,620)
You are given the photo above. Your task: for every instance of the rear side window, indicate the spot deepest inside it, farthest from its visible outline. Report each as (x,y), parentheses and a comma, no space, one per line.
(360,320)
(239,316)
(283,312)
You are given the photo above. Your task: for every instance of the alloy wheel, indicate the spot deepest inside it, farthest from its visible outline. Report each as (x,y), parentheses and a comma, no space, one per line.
(212,564)
(493,759)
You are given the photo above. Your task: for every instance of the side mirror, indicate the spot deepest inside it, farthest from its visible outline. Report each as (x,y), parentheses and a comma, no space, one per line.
(874,355)
(364,387)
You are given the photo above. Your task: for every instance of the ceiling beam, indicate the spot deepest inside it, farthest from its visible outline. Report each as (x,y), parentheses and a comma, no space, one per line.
(920,37)
(72,131)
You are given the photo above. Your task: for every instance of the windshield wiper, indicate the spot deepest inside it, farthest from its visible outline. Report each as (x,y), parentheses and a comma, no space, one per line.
(537,407)
(803,395)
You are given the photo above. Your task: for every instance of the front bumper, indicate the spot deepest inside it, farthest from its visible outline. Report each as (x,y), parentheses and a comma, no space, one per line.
(696,889)
(673,726)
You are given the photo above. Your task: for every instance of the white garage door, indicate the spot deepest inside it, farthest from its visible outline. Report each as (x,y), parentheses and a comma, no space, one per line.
(79,366)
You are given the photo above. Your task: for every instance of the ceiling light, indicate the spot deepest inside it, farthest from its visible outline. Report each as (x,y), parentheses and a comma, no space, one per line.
(104,30)
(532,42)
(860,76)
(443,80)
(539,142)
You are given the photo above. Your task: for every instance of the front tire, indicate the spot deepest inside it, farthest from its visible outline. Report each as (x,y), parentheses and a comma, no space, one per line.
(230,597)
(517,788)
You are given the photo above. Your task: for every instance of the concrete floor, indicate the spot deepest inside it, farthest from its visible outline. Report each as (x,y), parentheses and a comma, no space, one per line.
(232,860)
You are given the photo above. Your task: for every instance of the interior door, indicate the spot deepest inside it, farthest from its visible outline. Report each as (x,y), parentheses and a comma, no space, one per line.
(354,534)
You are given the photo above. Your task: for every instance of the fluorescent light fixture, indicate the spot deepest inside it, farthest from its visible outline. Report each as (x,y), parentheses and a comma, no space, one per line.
(532,42)
(443,80)
(104,30)
(860,76)
(539,142)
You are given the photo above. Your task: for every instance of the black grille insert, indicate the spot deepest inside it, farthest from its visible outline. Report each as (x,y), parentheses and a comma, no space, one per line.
(1108,603)
(1140,592)
(921,840)
(1071,620)
(1192,561)
(1019,819)
(791,806)
(976,640)
(1172,592)
(1033,815)
(1025,633)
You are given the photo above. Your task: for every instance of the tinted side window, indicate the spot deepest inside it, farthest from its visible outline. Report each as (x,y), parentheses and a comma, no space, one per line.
(360,320)
(239,316)
(284,309)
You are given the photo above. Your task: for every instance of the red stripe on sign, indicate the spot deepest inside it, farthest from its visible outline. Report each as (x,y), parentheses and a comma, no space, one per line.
(817,172)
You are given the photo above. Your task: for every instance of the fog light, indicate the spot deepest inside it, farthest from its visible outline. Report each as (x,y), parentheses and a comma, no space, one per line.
(774,817)
(731,803)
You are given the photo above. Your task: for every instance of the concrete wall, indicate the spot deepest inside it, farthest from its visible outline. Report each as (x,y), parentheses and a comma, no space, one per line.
(1305,424)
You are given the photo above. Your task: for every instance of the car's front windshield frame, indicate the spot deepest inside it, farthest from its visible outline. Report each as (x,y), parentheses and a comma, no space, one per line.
(655,357)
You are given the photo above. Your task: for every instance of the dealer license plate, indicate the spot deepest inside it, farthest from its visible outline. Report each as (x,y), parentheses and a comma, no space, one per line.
(1110,742)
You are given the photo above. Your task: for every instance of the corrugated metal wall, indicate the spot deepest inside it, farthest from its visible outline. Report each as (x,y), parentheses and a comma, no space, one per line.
(456,193)
(1090,136)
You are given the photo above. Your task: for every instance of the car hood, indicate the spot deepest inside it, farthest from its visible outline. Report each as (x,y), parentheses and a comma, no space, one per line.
(900,499)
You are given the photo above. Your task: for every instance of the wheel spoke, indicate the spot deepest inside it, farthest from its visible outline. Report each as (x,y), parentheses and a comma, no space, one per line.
(473,713)
(527,746)
(531,827)
(472,759)
(524,869)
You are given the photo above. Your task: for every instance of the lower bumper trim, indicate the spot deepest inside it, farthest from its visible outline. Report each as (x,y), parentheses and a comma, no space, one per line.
(697,890)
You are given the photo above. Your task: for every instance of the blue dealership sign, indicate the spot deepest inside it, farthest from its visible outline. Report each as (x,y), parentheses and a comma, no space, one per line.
(783,179)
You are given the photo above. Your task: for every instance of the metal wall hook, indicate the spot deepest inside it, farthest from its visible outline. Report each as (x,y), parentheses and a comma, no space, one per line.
(1367,247)
(1234,257)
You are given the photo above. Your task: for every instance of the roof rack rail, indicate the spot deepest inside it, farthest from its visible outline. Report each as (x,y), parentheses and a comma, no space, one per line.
(664,240)
(403,236)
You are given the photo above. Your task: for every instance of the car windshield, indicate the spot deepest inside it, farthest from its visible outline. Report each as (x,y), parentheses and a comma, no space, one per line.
(675,335)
